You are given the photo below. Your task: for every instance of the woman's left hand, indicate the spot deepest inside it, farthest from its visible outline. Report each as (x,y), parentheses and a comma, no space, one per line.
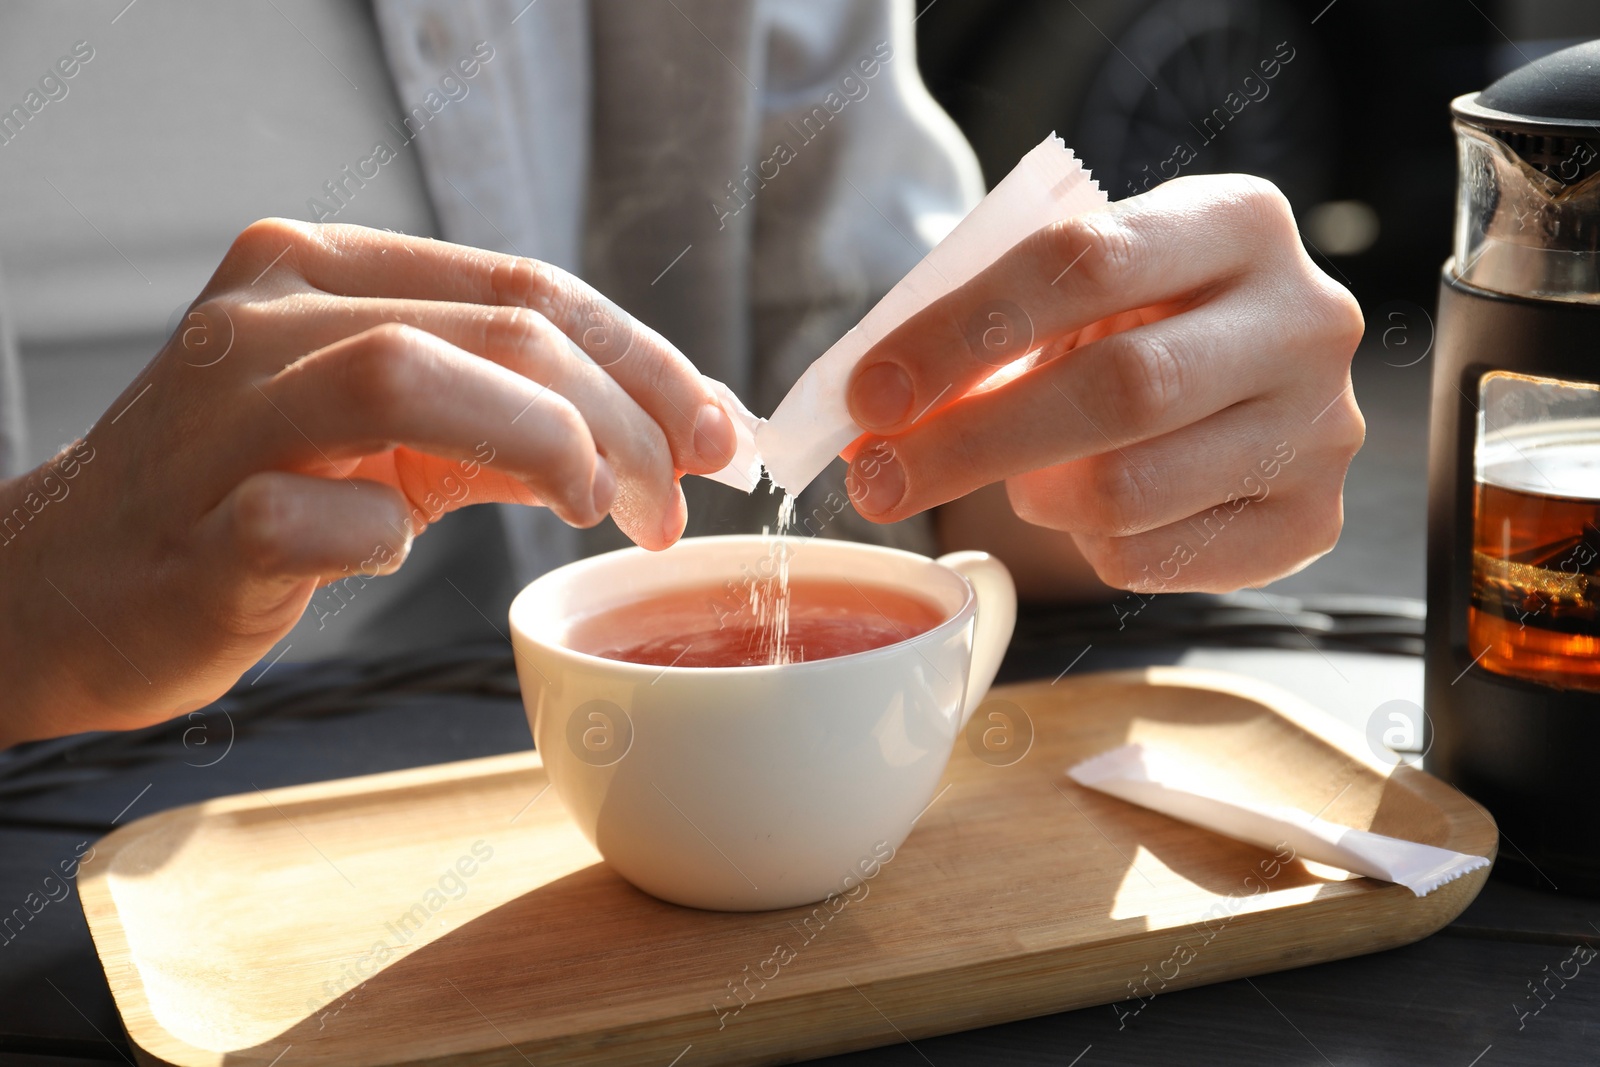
(1171,386)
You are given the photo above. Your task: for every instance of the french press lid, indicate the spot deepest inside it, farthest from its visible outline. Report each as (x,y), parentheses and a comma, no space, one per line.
(1528,202)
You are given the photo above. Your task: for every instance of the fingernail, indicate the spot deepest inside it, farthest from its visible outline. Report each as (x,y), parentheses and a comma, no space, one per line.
(404,551)
(713,437)
(605,486)
(879,481)
(881,396)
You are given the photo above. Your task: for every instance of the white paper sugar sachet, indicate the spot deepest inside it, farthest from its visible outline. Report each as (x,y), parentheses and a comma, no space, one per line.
(1195,793)
(744,469)
(813,424)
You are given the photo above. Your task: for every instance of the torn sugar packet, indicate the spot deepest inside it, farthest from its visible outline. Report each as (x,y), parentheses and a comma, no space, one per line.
(743,471)
(1193,792)
(812,424)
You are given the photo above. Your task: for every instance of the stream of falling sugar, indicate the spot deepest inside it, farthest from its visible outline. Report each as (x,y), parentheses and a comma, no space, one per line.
(769,601)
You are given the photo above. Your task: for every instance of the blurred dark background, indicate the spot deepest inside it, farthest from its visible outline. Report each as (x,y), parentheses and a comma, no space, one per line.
(1354,128)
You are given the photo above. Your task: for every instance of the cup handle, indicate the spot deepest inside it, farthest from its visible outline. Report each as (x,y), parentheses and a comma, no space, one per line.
(996,619)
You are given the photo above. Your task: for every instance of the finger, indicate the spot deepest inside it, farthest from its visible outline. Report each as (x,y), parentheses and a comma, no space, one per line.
(649,505)
(1176,244)
(383,387)
(435,486)
(358,262)
(1135,385)
(279,534)
(1231,456)
(1224,549)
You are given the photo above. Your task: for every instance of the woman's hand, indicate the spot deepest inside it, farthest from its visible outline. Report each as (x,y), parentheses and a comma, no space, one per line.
(332,391)
(1187,418)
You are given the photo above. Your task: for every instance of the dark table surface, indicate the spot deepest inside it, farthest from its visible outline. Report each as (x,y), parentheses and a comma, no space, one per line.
(1465,996)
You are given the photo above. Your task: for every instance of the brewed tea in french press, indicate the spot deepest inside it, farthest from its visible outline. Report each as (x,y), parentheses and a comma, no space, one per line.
(1513,644)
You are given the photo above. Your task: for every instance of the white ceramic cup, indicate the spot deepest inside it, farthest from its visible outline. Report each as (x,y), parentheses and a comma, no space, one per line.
(746,788)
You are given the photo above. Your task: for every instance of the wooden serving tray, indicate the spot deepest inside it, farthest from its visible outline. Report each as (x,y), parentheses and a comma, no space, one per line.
(487,931)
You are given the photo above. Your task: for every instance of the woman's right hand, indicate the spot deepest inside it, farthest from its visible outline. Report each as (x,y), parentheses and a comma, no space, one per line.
(332,391)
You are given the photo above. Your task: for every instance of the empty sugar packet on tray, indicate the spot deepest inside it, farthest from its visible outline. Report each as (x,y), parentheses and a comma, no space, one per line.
(812,424)
(1192,792)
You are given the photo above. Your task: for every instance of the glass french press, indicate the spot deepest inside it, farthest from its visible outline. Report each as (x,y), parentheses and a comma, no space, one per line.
(1513,637)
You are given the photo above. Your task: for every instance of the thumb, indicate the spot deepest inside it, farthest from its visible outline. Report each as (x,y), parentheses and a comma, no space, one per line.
(276,536)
